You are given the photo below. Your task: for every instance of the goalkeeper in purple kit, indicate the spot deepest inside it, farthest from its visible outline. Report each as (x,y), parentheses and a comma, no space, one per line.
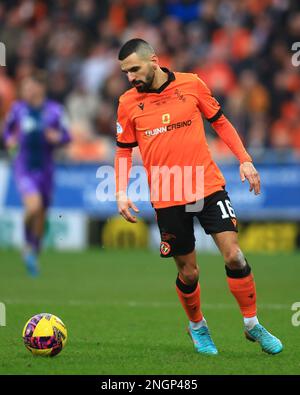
(34,127)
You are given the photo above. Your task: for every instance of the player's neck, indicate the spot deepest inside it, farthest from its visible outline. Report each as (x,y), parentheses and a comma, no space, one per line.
(160,78)
(36,102)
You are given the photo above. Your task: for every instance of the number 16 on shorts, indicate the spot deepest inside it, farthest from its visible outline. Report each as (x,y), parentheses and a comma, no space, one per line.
(227,211)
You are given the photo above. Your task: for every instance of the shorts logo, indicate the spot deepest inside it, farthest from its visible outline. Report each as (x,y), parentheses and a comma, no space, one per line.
(234,221)
(165,248)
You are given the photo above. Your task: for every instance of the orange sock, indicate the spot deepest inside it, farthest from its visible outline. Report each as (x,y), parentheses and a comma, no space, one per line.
(242,286)
(189,296)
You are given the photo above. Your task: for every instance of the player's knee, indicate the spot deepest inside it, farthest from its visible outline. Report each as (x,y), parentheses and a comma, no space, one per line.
(234,258)
(190,275)
(34,210)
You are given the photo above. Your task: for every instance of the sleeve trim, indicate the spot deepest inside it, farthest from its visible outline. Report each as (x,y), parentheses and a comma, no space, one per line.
(216,116)
(127,145)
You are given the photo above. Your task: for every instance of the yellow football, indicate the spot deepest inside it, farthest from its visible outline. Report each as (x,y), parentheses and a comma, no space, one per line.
(45,335)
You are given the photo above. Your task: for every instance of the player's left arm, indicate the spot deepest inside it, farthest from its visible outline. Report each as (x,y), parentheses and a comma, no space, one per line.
(230,136)
(212,111)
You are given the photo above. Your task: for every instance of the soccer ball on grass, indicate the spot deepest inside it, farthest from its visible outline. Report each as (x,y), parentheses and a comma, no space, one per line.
(45,335)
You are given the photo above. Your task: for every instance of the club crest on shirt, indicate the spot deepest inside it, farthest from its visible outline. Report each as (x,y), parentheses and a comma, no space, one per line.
(165,248)
(179,95)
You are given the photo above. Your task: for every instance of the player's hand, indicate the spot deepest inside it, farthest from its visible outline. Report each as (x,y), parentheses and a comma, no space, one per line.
(248,171)
(124,204)
(53,136)
(11,143)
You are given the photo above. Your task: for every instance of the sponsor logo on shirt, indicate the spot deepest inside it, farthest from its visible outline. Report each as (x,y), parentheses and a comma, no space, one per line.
(166,118)
(164,129)
(29,124)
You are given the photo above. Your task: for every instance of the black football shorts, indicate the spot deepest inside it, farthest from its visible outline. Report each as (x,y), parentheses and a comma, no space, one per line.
(176,223)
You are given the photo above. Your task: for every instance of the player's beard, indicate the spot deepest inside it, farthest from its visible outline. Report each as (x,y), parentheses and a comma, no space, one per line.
(144,86)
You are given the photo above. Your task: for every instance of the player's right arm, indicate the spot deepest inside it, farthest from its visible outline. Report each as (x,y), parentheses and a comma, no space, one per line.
(126,140)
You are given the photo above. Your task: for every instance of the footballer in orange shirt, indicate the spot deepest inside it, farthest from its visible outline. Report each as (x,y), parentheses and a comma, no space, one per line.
(162,115)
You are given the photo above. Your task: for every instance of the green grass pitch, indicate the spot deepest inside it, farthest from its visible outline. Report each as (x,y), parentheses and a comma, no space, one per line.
(123,316)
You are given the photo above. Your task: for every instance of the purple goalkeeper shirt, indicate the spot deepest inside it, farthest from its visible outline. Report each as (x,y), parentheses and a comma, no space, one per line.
(34,155)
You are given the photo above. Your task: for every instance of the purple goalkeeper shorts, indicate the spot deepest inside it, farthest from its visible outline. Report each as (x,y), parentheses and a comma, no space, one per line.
(35,184)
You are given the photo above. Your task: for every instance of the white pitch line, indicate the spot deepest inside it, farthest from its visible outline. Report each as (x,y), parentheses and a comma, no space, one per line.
(132,303)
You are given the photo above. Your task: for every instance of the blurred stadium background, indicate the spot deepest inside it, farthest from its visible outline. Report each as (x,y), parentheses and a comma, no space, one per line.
(241,49)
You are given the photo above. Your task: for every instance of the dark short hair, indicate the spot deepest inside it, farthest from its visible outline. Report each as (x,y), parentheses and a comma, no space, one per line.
(135,45)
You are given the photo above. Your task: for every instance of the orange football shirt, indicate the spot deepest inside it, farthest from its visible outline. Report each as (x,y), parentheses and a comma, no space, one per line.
(167,126)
